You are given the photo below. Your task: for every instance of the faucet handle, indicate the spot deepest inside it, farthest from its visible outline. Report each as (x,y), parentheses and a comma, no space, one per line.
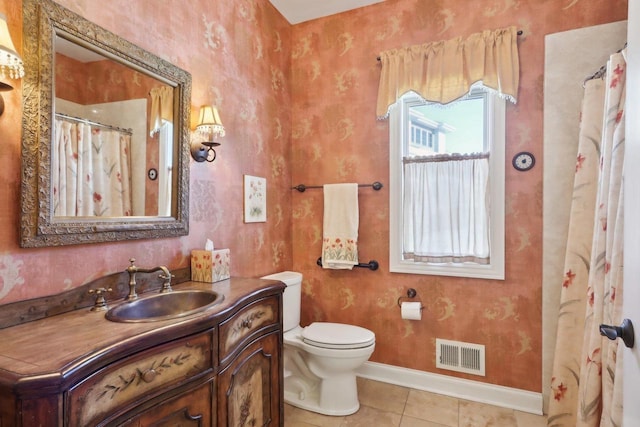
(100,303)
(166,285)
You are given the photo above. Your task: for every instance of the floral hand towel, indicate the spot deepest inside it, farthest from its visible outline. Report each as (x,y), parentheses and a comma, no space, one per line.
(340,226)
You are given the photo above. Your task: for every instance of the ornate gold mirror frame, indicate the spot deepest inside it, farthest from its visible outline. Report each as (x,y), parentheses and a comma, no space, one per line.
(43,21)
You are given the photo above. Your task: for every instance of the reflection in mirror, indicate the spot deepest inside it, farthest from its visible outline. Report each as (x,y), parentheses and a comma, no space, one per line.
(101,117)
(105,150)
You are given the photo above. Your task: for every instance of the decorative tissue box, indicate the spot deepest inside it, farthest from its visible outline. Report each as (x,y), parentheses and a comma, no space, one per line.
(210,266)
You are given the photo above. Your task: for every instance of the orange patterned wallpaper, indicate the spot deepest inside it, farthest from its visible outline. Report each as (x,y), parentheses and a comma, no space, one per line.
(110,81)
(238,53)
(336,138)
(298,104)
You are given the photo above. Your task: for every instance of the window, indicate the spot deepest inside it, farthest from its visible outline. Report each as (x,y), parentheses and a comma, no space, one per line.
(165,162)
(457,228)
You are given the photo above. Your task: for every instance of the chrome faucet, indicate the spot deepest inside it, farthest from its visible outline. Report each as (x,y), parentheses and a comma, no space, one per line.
(132,270)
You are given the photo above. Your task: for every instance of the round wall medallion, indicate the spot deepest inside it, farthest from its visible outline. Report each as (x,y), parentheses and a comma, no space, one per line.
(523,161)
(152,174)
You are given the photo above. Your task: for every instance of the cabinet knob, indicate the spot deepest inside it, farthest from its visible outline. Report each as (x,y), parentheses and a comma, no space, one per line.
(246,323)
(149,375)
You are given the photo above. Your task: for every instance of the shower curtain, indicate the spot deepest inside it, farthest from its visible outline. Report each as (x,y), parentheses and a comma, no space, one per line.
(586,380)
(91,170)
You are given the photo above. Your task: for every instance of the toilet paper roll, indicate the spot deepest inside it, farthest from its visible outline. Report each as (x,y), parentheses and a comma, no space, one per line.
(411,310)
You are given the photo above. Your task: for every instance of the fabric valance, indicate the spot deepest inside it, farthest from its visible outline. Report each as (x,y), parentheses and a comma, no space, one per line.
(161,107)
(444,71)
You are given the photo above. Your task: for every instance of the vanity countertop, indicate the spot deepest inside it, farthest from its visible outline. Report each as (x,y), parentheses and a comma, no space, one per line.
(68,343)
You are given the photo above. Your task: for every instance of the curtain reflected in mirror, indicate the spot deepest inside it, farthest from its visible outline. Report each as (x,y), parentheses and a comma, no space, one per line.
(161,125)
(118,103)
(90,168)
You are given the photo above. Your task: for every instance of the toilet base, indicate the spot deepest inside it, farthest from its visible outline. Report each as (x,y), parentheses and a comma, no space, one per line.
(314,400)
(320,379)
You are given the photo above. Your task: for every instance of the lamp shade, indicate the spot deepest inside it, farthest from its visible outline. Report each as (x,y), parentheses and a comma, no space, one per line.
(10,62)
(209,116)
(209,121)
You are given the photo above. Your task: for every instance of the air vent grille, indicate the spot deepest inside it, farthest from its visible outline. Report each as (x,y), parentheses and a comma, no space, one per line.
(460,356)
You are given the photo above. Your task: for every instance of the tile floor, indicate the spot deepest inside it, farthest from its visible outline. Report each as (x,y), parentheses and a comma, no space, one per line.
(388,405)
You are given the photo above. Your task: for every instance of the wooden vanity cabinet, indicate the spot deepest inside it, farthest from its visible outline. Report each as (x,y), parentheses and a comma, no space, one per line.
(221,370)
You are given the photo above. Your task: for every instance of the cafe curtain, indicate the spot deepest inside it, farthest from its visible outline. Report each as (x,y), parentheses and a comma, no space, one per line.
(446,211)
(444,71)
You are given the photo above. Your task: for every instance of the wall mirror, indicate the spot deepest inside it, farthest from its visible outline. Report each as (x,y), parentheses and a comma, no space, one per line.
(105,135)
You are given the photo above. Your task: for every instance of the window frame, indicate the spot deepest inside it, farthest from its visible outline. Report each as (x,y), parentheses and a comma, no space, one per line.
(495,133)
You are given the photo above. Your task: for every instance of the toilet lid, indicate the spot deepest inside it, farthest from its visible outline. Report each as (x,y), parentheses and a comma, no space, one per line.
(337,335)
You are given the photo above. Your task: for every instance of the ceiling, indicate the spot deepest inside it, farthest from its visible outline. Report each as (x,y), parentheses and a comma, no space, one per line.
(75,51)
(296,11)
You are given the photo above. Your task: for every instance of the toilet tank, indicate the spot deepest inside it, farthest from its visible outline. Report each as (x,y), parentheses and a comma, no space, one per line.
(291,297)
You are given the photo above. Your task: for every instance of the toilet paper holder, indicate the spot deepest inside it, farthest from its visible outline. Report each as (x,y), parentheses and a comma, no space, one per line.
(411,294)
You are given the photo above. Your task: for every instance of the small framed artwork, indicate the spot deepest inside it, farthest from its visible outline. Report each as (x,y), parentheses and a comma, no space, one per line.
(255,199)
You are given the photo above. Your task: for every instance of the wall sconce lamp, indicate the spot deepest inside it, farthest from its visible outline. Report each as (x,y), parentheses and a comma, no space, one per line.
(10,62)
(209,126)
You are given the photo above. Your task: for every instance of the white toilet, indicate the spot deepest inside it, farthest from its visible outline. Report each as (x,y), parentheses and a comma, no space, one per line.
(320,360)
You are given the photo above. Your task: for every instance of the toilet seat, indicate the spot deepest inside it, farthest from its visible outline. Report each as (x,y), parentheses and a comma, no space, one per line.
(337,336)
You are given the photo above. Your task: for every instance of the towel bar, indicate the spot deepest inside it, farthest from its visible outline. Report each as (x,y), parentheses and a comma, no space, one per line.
(301,187)
(371,265)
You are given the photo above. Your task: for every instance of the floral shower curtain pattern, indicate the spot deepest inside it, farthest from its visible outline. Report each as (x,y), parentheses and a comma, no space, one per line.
(91,170)
(585,391)
(599,392)
(573,304)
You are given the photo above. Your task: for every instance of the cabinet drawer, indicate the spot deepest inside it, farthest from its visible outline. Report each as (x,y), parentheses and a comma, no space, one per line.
(244,324)
(194,408)
(136,378)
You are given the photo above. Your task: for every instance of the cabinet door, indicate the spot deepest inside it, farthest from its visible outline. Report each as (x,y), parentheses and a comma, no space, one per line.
(194,408)
(249,392)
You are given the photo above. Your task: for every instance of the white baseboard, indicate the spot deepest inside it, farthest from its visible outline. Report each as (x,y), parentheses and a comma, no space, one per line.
(512,398)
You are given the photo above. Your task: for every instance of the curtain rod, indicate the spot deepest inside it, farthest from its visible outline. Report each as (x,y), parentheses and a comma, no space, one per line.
(520,32)
(602,70)
(301,187)
(89,122)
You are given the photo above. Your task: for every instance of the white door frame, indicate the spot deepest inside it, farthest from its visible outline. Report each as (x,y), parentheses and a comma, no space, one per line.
(631,303)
